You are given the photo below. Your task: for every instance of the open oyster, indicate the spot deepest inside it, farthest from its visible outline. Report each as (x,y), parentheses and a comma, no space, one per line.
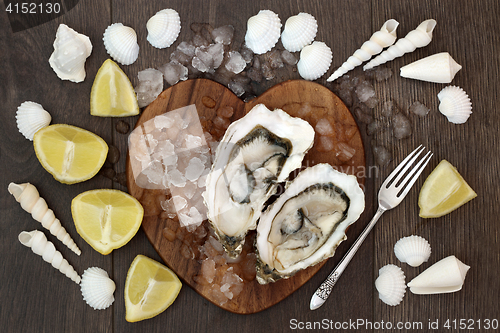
(307,222)
(257,152)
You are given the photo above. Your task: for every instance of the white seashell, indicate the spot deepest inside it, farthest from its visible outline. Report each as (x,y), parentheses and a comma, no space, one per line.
(121,43)
(163,28)
(315,59)
(439,68)
(30,117)
(455,104)
(390,284)
(413,250)
(445,276)
(300,30)
(71,49)
(385,37)
(419,37)
(27,195)
(39,244)
(97,288)
(263,31)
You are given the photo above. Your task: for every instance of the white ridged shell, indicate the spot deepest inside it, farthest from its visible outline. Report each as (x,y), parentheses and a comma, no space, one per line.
(413,250)
(263,31)
(31,117)
(97,288)
(455,104)
(300,30)
(390,284)
(439,68)
(315,59)
(121,43)
(163,28)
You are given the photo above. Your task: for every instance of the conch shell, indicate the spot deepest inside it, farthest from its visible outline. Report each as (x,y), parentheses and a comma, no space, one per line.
(39,244)
(439,68)
(29,198)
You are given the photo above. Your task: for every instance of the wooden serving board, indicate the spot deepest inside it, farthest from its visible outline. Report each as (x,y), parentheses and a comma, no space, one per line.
(295,97)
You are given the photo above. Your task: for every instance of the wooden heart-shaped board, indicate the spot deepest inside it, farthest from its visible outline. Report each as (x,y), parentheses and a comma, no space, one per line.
(304,99)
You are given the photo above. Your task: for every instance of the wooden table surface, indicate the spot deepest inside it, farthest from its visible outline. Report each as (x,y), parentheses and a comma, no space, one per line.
(36,298)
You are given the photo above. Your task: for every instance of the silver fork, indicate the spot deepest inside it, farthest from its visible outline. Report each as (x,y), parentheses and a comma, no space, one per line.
(391,193)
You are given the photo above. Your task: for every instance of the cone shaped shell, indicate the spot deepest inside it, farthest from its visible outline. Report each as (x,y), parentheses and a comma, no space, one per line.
(455,104)
(315,59)
(30,117)
(390,284)
(263,31)
(413,250)
(97,288)
(439,68)
(300,30)
(163,28)
(121,43)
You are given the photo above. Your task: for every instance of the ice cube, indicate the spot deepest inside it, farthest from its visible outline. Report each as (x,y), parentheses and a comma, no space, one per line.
(365,90)
(186,48)
(235,62)
(179,202)
(163,121)
(217,53)
(324,127)
(149,87)
(419,109)
(190,189)
(237,88)
(176,178)
(194,169)
(401,126)
(223,35)
(288,58)
(192,142)
(174,72)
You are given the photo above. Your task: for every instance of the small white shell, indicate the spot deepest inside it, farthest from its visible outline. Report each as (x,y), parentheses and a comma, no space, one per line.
(263,31)
(445,276)
(300,30)
(97,288)
(439,68)
(413,250)
(121,43)
(455,104)
(71,49)
(30,117)
(163,28)
(315,59)
(390,284)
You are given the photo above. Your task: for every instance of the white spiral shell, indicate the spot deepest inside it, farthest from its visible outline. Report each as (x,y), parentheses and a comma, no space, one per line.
(390,284)
(163,28)
(97,288)
(121,43)
(300,30)
(263,31)
(413,250)
(29,198)
(419,37)
(438,68)
(31,117)
(455,104)
(385,37)
(315,59)
(39,244)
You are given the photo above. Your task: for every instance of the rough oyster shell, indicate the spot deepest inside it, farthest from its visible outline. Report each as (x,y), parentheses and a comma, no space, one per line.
(315,59)
(31,117)
(300,30)
(163,28)
(263,31)
(455,104)
(390,284)
(413,250)
(121,43)
(97,288)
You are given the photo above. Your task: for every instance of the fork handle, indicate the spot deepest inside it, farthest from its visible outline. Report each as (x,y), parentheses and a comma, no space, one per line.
(324,290)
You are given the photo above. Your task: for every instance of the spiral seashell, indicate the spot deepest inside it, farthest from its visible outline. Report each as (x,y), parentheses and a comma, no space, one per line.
(413,250)
(419,37)
(263,31)
(163,28)
(300,30)
(30,117)
(29,198)
(39,244)
(315,59)
(71,49)
(455,104)
(97,288)
(438,68)
(385,37)
(121,43)
(390,284)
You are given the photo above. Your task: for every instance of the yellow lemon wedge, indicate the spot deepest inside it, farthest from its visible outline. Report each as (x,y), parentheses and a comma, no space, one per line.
(112,94)
(71,154)
(150,288)
(443,191)
(106,219)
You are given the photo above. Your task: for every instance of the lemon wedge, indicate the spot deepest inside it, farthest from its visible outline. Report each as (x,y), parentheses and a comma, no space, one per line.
(112,94)
(106,219)
(150,288)
(443,191)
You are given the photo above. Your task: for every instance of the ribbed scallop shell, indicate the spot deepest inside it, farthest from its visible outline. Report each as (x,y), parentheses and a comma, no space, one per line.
(300,30)
(163,28)
(263,31)
(121,43)
(413,250)
(97,288)
(31,117)
(315,59)
(455,104)
(439,68)
(390,284)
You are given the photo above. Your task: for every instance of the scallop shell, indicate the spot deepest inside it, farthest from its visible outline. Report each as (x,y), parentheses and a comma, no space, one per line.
(300,30)
(445,276)
(413,250)
(121,43)
(390,284)
(315,59)
(31,117)
(97,288)
(263,31)
(71,49)
(163,28)
(439,68)
(455,104)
